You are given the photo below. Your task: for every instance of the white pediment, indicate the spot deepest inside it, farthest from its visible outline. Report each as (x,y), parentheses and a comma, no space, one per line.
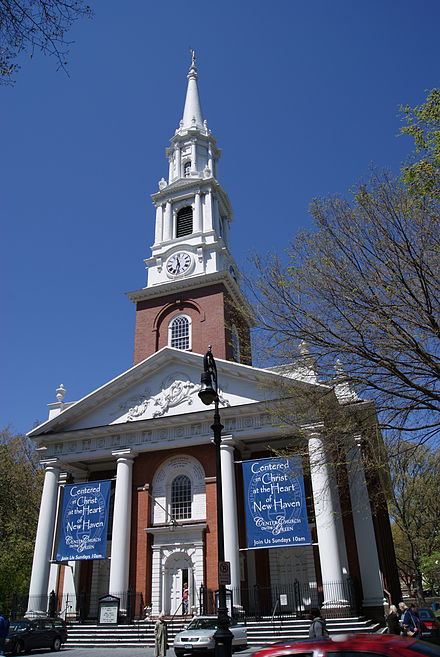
(165,384)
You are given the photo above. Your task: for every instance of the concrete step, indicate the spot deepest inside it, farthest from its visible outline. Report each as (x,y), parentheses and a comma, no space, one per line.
(141,634)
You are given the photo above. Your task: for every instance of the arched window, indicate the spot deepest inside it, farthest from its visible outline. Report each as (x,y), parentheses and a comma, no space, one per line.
(184,224)
(181,497)
(187,169)
(235,343)
(179,332)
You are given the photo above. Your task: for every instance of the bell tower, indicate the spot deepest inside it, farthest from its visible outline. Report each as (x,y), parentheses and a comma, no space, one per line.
(192,297)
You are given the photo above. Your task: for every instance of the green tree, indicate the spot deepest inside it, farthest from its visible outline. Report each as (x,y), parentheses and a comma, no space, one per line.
(30,25)
(20,493)
(422,173)
(415,510)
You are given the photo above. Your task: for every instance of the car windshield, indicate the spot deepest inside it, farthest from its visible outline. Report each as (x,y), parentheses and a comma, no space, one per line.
(203,624)
(18,626)
(426,613)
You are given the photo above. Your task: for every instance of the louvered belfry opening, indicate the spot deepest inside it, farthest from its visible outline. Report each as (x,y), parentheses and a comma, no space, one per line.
(184,221)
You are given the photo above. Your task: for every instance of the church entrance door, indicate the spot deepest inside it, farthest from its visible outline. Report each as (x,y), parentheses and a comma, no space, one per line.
(178,570)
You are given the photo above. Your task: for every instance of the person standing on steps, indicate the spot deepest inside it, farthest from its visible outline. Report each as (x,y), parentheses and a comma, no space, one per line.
(318,627)
(185,596)
(161,636)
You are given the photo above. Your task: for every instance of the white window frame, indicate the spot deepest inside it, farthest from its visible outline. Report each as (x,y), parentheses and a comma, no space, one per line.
(170,331)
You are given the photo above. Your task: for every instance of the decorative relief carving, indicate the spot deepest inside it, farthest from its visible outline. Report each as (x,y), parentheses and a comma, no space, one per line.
(176,389)
(135,407)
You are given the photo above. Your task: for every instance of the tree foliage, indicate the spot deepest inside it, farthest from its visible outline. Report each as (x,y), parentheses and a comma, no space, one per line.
(30,25)
(363,287)
(20,493)
(422,173)
(415,510)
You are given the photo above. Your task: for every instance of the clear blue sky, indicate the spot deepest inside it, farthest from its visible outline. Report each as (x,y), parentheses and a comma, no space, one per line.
(302,96)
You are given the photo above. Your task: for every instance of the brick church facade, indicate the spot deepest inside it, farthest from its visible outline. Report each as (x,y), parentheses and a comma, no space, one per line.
(148,433)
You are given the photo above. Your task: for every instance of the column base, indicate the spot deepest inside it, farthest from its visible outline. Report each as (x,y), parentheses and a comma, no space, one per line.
(332,604)
(375,612)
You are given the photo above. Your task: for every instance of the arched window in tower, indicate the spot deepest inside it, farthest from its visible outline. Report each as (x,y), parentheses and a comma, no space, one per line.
(181,498)
(187,169)
(179,332)
(235,343)
(184,224)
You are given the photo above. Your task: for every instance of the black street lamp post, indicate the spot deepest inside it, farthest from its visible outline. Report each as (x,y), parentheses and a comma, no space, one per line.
(208,394)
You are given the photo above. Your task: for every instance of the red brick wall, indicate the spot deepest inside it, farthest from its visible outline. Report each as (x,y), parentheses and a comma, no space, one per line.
(144,468)
(211,315)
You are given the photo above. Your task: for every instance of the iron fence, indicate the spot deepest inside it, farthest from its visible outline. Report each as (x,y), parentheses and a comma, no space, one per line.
(290,600)
(80,607)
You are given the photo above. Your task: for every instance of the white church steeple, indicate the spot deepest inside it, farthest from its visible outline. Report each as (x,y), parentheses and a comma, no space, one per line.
(193,212)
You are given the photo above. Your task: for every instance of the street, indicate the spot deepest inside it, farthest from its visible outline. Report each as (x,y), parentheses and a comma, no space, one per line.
(118,652)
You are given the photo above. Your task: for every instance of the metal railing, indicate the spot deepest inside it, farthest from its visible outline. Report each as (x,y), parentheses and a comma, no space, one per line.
(290,600)
(81,607)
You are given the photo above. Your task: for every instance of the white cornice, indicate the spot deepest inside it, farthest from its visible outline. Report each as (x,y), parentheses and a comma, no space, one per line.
(192,283)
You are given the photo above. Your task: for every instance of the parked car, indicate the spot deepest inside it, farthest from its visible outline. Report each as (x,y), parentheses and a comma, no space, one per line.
(379,645)
(199,636)
(25,635)
(430,622)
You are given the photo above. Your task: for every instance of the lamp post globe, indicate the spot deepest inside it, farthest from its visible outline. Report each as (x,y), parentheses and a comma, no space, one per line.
(208,394)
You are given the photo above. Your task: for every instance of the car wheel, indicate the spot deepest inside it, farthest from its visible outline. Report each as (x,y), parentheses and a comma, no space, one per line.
(18,648)
(56,645)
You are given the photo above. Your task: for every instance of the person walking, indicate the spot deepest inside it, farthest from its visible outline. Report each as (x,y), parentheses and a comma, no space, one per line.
(161,636)
(317,628)
(412,625)
(392,621)
(185,596)
(4,628)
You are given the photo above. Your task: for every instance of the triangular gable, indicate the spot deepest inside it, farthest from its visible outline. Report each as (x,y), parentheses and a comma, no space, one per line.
(164,384)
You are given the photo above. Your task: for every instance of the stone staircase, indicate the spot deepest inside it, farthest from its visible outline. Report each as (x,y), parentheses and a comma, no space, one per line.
(141,634)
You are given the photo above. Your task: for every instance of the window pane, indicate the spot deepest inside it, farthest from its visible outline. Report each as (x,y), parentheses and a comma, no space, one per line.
(181,498)
(180,333)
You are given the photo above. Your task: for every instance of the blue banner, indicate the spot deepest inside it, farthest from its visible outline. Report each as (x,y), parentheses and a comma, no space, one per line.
(84,521)
(275,503)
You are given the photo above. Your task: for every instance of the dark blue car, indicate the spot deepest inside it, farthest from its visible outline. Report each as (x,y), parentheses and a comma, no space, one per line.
(25,635)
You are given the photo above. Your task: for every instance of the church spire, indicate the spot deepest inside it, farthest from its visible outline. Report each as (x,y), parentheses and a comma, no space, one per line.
(192,113)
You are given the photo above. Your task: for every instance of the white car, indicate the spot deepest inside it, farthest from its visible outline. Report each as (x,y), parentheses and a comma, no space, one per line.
(199,636)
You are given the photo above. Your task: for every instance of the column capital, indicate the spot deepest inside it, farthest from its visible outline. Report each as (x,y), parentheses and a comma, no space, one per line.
(51,463)
(313,430)
(127,454)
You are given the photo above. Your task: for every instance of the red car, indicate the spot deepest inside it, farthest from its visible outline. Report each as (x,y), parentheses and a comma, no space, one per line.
(352,645)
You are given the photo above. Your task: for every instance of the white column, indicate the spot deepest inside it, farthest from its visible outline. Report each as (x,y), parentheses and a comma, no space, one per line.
(364,529)
(326,527)
(210,162)
(207,219)
(215,215)
(230,521)
(197,214)
(159,224)
(120,557)
(193,157)
(167,227)
(178,169)
(44,540)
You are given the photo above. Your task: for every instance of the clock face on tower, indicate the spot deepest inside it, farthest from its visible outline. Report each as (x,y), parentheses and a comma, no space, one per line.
(178,263)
